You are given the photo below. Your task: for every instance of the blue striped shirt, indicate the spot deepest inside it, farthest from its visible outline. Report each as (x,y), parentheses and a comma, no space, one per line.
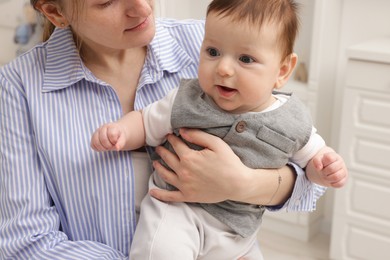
(58,198)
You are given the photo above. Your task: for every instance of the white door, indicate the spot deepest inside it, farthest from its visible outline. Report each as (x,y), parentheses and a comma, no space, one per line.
(361,223)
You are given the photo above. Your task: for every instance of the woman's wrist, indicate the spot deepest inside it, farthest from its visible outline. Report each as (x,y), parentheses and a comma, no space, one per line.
(266,187)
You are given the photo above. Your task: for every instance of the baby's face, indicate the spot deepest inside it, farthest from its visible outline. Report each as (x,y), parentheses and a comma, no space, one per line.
(239,65)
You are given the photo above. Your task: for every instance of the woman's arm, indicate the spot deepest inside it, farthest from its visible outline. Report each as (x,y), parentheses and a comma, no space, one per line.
(230,178)
(30,225)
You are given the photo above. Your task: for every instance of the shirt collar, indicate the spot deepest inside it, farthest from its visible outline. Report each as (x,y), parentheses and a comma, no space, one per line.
(64,66)
(165,54)
(175,59)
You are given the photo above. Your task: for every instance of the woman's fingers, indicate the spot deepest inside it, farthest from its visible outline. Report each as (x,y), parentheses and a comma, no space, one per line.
(172,178)
(208,175)
(166,175)
(168,196)
(171,159)
(200,138)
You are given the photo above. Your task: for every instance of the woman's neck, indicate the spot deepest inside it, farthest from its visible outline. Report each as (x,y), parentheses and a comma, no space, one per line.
(120,69)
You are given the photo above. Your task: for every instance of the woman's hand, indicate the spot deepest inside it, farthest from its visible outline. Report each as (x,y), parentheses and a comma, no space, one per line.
(211,175)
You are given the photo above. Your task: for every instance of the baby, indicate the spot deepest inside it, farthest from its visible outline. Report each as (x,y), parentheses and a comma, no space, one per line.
(246,57)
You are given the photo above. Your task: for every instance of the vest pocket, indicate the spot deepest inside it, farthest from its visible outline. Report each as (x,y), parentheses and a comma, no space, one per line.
(275,139)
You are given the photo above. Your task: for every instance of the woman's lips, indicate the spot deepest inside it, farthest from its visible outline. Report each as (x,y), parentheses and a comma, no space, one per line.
(140,26)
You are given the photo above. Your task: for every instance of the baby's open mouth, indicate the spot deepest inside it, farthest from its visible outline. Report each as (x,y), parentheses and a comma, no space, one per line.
(225,91)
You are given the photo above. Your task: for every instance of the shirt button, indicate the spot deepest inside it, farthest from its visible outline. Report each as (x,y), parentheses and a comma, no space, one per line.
(241,127)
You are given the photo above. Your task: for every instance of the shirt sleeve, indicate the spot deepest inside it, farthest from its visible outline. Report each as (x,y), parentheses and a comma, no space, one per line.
(157,119)
(304,196)
(29,222)
(303,156)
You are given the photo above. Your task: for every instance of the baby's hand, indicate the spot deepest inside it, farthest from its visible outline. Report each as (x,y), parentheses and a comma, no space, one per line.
(108,137)
(331,169)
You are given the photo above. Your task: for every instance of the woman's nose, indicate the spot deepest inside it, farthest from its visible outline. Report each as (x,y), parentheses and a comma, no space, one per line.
(139,8)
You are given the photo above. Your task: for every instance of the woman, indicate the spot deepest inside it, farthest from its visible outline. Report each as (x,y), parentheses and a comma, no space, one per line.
(60,199)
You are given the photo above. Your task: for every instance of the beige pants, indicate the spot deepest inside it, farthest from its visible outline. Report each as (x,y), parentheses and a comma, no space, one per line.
(179,231)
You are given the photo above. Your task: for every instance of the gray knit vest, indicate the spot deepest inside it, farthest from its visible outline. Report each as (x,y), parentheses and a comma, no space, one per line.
(260,140)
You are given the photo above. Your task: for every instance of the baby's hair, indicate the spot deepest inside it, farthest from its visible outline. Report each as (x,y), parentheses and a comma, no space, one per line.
(283,13)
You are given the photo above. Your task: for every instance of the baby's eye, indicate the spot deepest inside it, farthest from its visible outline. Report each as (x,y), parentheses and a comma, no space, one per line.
(212,52)
(246,59)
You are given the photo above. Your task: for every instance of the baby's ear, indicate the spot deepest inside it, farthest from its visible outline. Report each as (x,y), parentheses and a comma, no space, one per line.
(287,67)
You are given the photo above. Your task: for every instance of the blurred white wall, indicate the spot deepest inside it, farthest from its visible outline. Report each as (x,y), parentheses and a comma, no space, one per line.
(182,9)
(11,15)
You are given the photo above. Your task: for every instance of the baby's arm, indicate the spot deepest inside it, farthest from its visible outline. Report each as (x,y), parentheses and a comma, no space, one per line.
(327,168)
(128,133)
(137,128)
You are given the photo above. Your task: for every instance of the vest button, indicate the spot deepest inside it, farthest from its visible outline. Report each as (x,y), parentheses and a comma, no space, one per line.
(241,127)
